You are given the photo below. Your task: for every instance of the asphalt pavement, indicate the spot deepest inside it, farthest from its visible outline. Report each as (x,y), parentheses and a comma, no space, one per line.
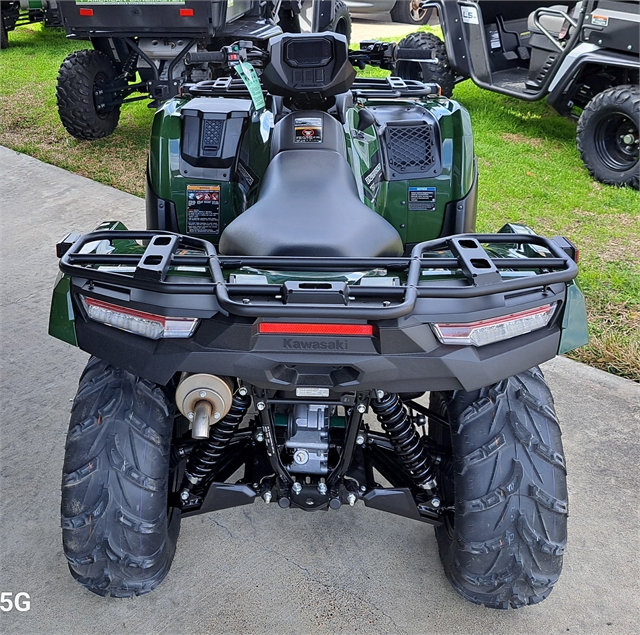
(261,569)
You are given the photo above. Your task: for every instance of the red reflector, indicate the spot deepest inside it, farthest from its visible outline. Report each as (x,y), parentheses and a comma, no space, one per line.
(315,329)
(87,12)
(186,13)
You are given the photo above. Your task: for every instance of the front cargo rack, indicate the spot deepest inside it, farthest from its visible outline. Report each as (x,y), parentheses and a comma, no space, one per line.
(165,261)
(362,88)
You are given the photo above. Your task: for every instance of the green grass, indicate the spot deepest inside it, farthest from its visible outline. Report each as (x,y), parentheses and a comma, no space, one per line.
(530,172)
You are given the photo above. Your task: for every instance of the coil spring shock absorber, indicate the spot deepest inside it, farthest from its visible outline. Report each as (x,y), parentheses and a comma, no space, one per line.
(208,452)
(405,439)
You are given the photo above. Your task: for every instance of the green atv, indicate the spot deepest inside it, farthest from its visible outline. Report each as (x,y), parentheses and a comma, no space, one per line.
(309,273)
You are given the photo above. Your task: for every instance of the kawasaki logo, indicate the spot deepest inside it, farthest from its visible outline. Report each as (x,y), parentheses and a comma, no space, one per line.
(301,345)
(373,175)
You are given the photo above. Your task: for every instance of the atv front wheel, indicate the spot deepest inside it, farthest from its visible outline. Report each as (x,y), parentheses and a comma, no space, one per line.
(410,12)
(504,491)
(81,78)
(440,73)
(608,137)
(118,531)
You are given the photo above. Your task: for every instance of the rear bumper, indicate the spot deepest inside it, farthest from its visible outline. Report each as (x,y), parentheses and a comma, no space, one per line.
(401,355)
(419,362)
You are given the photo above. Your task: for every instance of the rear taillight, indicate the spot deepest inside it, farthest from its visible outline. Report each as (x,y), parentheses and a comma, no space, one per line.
(86,12)
(288,328)
(149,325)
(496,329)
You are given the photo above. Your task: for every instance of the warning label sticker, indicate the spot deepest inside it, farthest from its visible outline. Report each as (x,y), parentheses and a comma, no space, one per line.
(203,209)
(308,129)
(600,20)
(422,199)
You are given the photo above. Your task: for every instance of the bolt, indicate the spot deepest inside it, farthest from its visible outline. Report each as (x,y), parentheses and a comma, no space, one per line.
(242,391)
(259,436)
(630,47)
(380,394)
(216,415)
(184,494)
(266,497)
(628,139)
(246,301)
(190,416)
(322,488)
(203,393)
(261,405)
(351,499)
(363,488)
(360,439)
(296,488)
(362,408)
(435,502)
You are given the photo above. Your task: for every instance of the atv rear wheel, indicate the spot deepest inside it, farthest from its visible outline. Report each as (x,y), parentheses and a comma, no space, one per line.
(502,541)
(440,73)
(118,531)
(608,136)
(410,12)
(81,75)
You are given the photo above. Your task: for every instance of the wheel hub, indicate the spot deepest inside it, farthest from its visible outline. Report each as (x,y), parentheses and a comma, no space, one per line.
(617,142)
(417,13)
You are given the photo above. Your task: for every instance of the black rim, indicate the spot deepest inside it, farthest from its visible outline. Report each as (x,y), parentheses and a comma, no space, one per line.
(616,141)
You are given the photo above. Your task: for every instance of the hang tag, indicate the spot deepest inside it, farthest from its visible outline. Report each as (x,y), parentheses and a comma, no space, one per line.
(266,123)
(250,78)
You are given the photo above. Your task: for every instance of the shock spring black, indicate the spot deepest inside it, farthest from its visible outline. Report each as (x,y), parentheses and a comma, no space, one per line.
(405,439)
(208,452)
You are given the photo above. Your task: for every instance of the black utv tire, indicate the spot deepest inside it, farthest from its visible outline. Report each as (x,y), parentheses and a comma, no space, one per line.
(79,76)
(409,12)
(341,20)
(4,38)
(440,73)
(502,546)
(118,533)
(608,136)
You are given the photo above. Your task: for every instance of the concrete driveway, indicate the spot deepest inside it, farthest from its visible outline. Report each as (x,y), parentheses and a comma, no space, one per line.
(261,569)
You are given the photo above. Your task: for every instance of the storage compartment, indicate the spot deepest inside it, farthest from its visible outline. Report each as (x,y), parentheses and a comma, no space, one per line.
(211,134)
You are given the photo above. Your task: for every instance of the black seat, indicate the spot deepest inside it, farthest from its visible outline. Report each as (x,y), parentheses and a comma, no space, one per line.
(309,206)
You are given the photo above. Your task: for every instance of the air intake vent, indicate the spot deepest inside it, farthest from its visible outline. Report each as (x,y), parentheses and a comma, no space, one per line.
(412,149)
(212,134)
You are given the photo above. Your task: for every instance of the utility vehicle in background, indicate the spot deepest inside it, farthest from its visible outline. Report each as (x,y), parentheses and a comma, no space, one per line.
(21,12)
(308,274)
(407,11)
(583,57)
(149,49)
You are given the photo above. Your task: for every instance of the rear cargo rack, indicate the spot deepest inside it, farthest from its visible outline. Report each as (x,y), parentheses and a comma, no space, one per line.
(166,252)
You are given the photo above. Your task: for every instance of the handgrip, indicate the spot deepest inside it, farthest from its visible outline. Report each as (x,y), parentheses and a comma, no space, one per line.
(205,56)
(413,54)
